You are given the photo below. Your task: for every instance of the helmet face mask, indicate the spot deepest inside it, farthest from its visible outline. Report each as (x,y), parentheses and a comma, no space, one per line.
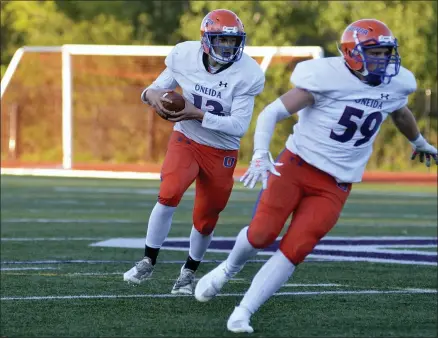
(377,68)
(369,48)
(218,29)
(221,47)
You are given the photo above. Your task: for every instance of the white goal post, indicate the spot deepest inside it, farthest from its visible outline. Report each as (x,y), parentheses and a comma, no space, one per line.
(267,53)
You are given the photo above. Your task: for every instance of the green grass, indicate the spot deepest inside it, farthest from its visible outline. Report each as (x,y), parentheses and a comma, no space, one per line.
(397,187)
(41,220)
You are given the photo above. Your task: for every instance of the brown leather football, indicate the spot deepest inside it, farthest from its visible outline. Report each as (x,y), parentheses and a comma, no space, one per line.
(178,103)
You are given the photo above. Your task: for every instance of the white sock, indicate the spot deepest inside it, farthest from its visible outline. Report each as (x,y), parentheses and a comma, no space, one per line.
(159,224)
(273,274)
(198,244)
(241,252)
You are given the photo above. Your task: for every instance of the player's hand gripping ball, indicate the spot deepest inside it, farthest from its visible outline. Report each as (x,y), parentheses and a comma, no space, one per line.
(178,103)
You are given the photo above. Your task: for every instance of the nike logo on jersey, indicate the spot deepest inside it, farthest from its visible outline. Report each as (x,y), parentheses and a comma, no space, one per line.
(370,103)
(208,91)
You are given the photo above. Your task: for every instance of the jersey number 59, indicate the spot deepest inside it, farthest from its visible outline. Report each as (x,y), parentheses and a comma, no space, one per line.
(367,128)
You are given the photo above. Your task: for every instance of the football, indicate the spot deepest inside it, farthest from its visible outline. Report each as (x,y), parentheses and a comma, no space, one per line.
(178,102)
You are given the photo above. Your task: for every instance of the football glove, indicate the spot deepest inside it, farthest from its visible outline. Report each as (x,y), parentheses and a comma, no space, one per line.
(424,150)
(261,163)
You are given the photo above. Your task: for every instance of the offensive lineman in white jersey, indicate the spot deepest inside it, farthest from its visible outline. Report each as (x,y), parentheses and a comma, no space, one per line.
(342,102)
(219,83)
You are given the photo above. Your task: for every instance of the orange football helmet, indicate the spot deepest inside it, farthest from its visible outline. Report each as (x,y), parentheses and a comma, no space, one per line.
(222,23)
(365,34)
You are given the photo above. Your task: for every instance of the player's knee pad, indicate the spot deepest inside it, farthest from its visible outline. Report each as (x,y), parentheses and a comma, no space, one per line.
(170,196)
(297,250)
(205,224)
(261,236)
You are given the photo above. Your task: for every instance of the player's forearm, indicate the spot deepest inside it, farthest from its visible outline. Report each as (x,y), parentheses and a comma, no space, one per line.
(289,103)
(266,121)
(405,122)
(229,125)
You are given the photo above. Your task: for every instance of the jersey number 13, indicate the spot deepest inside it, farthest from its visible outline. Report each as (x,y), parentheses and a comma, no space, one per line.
(215,107)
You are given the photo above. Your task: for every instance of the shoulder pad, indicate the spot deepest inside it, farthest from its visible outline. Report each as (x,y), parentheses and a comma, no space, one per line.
(181,52)
(316,75)
(404,82)
(252,78)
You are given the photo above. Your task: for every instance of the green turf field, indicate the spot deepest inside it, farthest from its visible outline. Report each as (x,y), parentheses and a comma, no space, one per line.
(54,284)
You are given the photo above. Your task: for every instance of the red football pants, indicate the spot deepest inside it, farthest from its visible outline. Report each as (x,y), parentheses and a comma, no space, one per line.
(187,161)
(313,196)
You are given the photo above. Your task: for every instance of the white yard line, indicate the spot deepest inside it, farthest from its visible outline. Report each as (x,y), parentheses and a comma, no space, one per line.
(52,239)
(237,190)
(157,296)
(127,221)
(79,261)
(104,274)
(27,268)
(312,285)
(97,190)
(219,238)
(419,290)
(62,221)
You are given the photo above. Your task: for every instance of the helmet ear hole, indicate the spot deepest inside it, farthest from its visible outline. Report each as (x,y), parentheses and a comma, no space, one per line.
(355,54)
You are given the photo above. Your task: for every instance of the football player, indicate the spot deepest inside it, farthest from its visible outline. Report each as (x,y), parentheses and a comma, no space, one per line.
(341,104)
(219,83)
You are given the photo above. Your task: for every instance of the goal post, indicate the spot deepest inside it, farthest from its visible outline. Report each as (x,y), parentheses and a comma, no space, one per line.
(264,55)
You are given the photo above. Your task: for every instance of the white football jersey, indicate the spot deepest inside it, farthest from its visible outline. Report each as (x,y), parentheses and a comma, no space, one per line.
(227,97)
(336,134)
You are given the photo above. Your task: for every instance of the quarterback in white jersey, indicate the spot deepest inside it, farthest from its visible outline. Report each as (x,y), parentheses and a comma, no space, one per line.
(342,103)
(219,83)
(229,93)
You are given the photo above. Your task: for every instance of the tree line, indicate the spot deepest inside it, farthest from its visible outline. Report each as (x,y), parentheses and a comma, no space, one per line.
(267,23)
